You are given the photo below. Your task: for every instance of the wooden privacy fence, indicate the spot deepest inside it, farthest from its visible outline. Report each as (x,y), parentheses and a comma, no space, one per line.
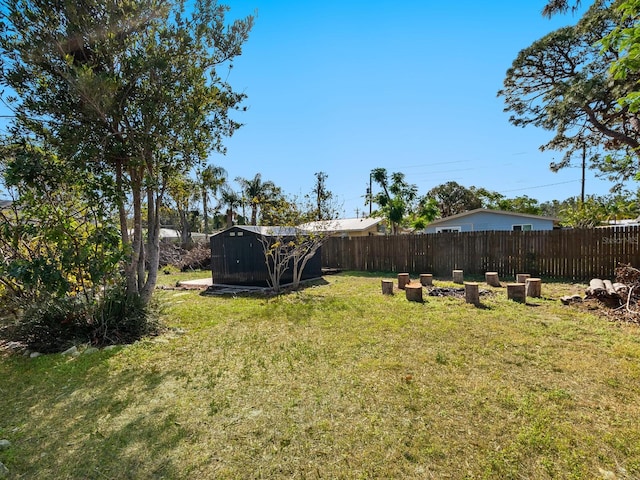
(568,254)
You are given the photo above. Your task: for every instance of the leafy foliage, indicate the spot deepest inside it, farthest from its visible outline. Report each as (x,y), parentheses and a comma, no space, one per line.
(561,83)
(126,91)
(453,198)
(396,198)
(626,39)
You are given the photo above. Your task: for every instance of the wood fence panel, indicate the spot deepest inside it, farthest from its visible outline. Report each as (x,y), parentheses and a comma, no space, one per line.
(568,254)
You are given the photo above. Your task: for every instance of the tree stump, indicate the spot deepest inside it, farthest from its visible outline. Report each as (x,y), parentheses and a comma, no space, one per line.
(387,287)
(492,279)
(471,293)
(517,292)
(413,291)
(426,279)
(458,276)
(403,279)
(522,277)
(533,287)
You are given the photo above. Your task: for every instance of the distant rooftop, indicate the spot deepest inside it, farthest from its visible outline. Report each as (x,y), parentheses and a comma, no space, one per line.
(342,224)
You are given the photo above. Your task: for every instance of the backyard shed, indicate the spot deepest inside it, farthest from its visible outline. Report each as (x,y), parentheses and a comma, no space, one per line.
(238,258)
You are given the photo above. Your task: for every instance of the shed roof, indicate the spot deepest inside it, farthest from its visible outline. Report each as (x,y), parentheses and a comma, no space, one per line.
(487,210)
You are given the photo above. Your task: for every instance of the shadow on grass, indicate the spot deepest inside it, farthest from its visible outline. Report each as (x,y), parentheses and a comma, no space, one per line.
(85,420)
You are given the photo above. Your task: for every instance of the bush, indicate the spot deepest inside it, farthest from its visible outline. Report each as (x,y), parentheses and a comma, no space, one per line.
(52,324)
(118,319)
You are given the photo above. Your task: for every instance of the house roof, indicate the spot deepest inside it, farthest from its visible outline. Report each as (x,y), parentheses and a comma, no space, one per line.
(342,225)
(487,210)
(263,230)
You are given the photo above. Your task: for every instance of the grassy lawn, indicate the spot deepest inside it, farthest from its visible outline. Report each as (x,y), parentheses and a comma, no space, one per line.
(337,381)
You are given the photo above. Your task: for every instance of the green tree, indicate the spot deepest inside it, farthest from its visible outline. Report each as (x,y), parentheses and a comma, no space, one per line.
(561,83)
(426,212)
(521,204)
(59,255)
(559,6)
(324,208)
(453,198)
(126,90)
(230,199)
(258,193)
(578,214)
(184,192)
(625,38)
(211,179)
(396,198)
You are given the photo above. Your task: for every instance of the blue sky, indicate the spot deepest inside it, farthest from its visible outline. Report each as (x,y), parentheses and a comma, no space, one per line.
(347,86)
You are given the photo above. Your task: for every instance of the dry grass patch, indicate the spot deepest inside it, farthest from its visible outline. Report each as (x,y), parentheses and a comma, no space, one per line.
(337,381)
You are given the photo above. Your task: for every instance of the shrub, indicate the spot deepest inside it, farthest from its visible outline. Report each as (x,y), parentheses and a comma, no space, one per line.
(120,319)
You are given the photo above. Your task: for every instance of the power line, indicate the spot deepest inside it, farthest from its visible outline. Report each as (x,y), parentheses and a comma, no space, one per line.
(540,186)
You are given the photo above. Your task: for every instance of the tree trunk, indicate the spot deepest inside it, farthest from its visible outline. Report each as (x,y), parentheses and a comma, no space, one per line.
(205,214)
(491,278)
(516,292)
(533,287)
(403,279)
(413,292)
(471,293)
(426,279)
(387,287)
(153,247)
(458,276)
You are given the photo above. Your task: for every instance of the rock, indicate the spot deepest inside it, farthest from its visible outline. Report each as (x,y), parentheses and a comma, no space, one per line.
(91,350)
(70,351)
(108,348)
(607,474)
(4,471)
(4,444)
(34,354)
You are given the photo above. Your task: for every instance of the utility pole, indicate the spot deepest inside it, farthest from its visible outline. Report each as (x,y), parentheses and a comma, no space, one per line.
(584,163)
(370,194)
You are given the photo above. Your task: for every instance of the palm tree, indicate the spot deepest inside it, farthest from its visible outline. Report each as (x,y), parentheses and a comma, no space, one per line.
(257,193)
(231,200)
(211,180)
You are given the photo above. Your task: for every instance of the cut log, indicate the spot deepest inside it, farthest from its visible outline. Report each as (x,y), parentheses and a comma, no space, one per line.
(533,287)
(413,291)
(596,288)
(471,293)
(403,279)
(608,285)
(621,289)
(387,287)
(458,276)
(522,277)
(426,279)
(491,278)
(569,299)
(517,292)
